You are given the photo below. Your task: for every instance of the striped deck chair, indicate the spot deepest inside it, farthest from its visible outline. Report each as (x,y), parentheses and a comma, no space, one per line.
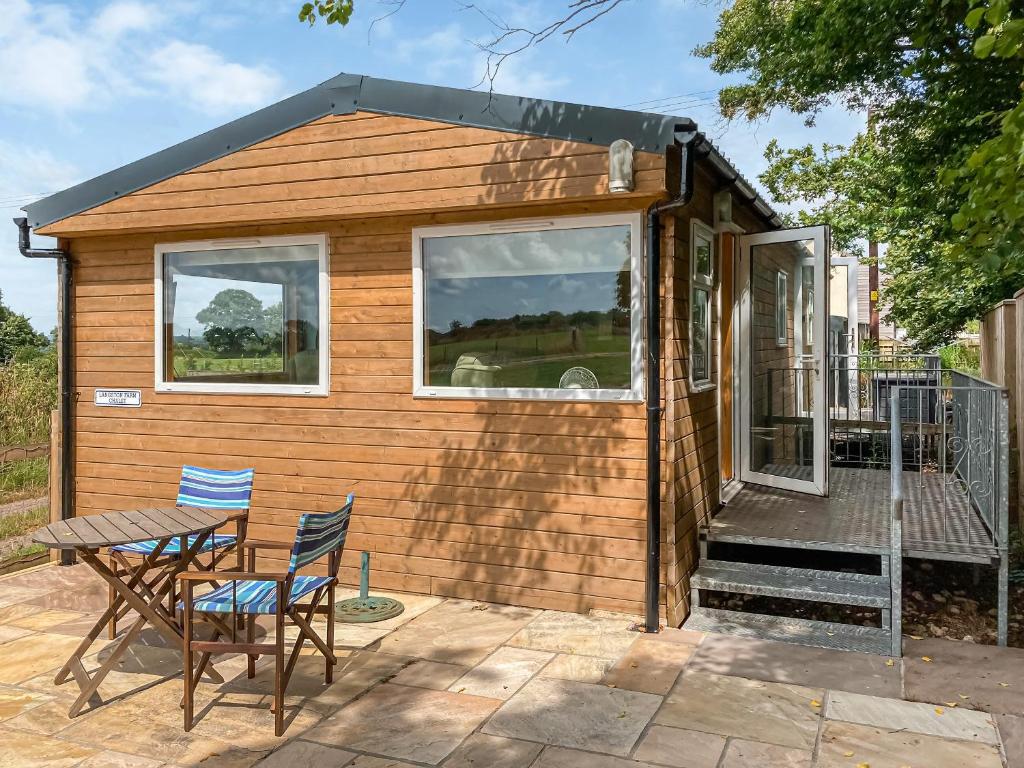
(226,490)
(250,594)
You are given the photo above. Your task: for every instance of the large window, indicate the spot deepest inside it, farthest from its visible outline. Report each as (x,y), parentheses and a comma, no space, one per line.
(538,309)
(702,281)
(243,316)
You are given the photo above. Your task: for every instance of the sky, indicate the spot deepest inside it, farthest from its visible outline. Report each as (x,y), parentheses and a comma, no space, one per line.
(86,87)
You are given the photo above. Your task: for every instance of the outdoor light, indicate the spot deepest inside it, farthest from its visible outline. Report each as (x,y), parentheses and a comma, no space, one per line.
(620,166)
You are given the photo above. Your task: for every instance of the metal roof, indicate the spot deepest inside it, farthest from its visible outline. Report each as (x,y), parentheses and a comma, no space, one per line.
(346,94)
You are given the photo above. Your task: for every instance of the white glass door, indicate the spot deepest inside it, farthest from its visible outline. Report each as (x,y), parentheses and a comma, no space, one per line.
(783,291)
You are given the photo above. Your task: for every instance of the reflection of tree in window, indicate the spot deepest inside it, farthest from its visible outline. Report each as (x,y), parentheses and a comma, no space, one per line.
(247,315)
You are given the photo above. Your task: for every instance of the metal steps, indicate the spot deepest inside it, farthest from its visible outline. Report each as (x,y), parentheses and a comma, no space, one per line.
(822,634)
(793,583)
(861,590)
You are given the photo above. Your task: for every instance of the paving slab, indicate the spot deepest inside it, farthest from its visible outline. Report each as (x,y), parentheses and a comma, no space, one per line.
(371,761)
(680,748)
(992,677)
(26,657)
(16,701)
(458,632)
(8,633)
(30,617)
(681,636)
(797,664)
(22,749)
(296,754)
(845,745)
(1011,731)
(113,759)
(405,723)
(943,721)
(755,754)
(430,674)
(775,713)
(502,673)
(577,715)
(559,757)
(49,718)
(88,600)
(582,669)
(572,633)
(354,674)
(651,666)
(483,751)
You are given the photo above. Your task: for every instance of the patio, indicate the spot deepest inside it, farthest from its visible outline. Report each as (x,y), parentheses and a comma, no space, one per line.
(458,684)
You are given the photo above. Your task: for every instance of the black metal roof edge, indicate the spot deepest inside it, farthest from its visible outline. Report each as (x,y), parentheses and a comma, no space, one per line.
(345,94)
(735,179)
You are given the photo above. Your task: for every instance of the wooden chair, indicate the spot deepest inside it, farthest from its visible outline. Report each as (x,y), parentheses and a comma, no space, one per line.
(228,491)
(250,594)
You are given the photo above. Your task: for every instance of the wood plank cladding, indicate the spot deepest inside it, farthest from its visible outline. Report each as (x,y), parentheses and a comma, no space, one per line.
(692,467)
(367,165)
(528,502)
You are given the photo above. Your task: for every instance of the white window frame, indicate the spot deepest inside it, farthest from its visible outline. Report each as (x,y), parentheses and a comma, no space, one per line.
(321,388)
(705,283)
(636,338)
(781,302)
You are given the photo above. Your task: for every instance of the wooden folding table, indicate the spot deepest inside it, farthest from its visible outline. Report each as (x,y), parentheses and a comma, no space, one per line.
(142,590)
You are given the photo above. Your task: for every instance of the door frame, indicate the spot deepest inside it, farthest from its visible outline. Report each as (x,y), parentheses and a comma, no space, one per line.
(820,235)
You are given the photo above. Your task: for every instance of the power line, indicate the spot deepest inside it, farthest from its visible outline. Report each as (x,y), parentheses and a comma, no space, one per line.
(655,103)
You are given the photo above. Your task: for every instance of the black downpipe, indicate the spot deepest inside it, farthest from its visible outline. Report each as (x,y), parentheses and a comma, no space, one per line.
(67,557)
(654,409)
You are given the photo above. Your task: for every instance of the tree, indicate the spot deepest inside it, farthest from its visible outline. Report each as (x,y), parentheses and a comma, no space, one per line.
(904,179)
(233,320)
(17,334)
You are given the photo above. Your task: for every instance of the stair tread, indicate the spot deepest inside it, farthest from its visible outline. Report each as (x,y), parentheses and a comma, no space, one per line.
(794,583)
(822,634)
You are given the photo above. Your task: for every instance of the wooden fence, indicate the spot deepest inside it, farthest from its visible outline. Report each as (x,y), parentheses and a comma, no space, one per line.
(1002,345)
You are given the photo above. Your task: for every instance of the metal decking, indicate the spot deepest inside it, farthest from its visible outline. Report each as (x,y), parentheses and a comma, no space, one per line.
(939,523)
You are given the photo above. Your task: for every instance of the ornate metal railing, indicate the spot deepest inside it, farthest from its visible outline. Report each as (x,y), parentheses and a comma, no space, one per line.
(951,466)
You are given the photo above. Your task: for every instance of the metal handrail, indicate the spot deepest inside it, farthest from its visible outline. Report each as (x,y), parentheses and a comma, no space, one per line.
(896,523)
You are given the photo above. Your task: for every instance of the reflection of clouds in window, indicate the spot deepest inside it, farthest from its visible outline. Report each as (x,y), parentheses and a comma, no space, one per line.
(568,251)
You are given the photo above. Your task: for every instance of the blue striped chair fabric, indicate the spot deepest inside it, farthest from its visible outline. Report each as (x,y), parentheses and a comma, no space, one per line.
(317,535)
(207,489)
(254,597)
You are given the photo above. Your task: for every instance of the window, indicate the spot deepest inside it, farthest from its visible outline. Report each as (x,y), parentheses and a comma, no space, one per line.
(781,308)
(702,279)
(534,309)
(243,316)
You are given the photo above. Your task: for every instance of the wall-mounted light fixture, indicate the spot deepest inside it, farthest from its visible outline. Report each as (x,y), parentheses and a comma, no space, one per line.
(620,166)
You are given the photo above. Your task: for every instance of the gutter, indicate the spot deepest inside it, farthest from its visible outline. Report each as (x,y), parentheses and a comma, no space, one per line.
(67,557)
(680,159)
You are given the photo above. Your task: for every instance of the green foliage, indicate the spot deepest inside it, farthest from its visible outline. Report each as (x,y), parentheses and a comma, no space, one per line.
(933,105)
(331,11)
(16,334)
(961,357)
(28,392)
(235,321)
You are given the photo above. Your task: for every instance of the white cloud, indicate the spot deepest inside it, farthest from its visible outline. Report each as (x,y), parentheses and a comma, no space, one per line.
(58,58)
(29,287)
(199,75)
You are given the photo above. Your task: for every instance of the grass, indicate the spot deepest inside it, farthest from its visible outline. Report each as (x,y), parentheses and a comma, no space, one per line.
(184,365)
(28,392)
(522,358)
(24,479)
(20,523)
